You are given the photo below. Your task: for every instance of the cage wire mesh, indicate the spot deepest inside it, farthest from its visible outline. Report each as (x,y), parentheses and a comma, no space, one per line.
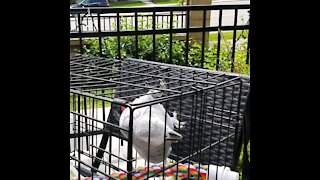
(209,102)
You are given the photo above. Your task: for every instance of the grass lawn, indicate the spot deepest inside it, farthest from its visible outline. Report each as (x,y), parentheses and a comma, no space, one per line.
(165,1)
(239,166)
(226,35)
(126,4)
(97,104)
(89,103)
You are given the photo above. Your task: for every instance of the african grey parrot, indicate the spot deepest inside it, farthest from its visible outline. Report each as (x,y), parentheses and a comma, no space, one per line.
(141,118)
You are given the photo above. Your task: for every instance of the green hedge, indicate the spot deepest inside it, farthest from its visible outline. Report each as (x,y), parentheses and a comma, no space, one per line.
(127,43)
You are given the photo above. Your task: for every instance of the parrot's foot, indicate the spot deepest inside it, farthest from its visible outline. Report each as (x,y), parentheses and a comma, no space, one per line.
(177,122)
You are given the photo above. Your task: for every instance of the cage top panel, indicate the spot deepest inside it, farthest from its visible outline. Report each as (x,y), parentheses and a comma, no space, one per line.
(107,77)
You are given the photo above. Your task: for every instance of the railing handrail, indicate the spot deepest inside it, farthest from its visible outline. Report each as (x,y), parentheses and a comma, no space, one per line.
(132,15)
(158,8)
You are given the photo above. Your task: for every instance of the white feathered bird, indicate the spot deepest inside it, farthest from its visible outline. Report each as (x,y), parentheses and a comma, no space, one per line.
(141,119)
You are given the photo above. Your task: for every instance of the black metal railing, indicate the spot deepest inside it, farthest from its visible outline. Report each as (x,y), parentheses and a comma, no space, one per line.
(192,35)
(109,21)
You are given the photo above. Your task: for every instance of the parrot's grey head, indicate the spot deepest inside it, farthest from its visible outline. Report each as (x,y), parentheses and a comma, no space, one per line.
(155,93)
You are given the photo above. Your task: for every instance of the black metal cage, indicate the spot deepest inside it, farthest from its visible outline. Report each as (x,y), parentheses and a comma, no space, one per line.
(209,102)
(208,105)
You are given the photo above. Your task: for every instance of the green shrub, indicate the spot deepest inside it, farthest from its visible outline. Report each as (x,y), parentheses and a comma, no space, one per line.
(162,50)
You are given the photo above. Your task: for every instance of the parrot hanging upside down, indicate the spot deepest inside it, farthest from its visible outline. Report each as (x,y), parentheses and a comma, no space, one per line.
(141,119)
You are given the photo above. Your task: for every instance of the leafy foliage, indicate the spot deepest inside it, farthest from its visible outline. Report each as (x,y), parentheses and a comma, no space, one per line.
(109,47)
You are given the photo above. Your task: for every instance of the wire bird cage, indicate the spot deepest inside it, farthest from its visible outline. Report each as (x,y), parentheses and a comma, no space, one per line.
(209,102)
